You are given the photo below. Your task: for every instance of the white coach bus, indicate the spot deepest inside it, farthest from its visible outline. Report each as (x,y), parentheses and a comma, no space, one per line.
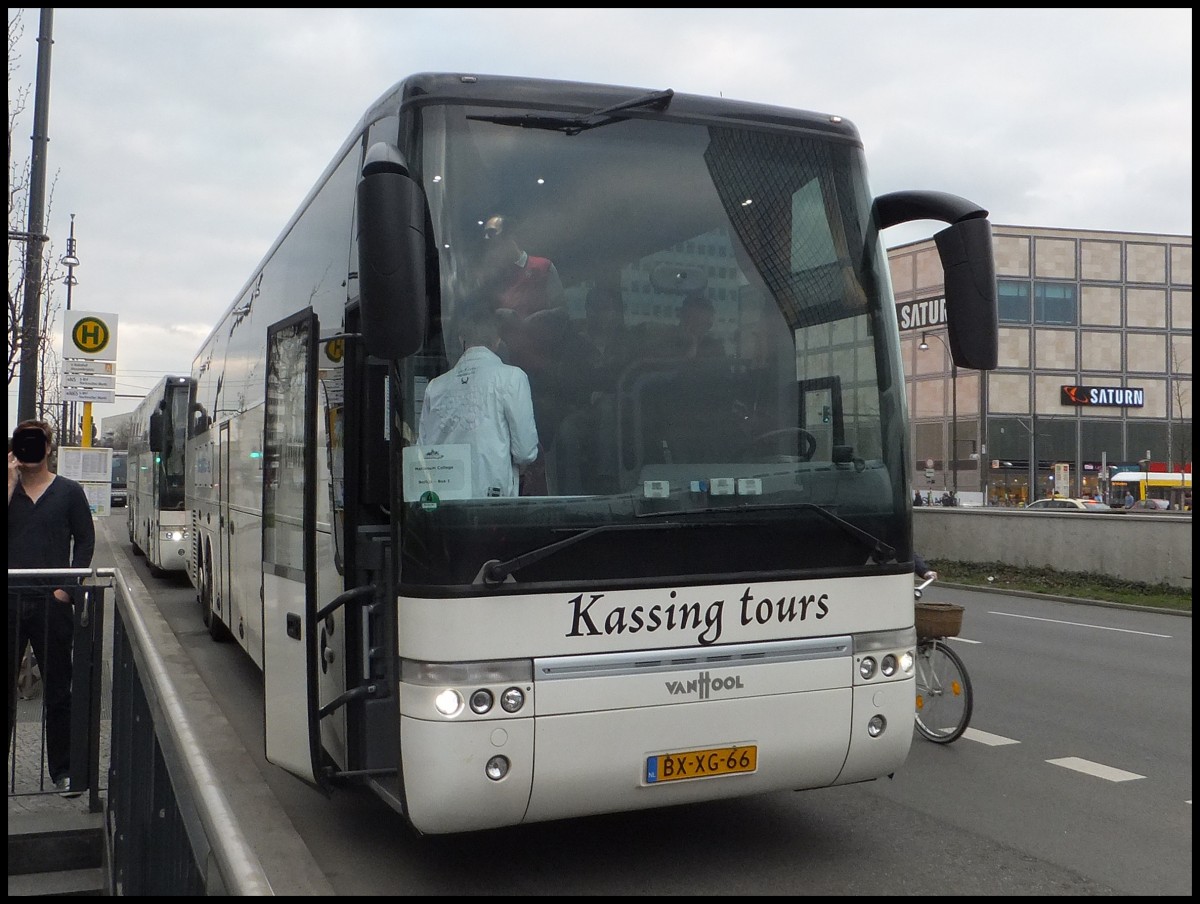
(158,521)
(705,588)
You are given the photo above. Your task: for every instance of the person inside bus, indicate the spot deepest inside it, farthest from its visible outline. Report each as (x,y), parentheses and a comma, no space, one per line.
(484,403)
(1128,500)
(519,281)
(693,337)
(534,324)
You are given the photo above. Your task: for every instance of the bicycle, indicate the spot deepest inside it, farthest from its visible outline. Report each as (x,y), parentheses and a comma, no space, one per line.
(944,696)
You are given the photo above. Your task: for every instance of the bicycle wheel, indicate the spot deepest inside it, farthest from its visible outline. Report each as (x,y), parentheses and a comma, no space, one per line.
(944,698)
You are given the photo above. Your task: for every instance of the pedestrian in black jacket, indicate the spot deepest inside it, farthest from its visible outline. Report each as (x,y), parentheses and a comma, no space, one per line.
(49,526)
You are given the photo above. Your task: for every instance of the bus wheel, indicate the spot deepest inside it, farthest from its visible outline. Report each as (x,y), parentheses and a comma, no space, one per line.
(216,628)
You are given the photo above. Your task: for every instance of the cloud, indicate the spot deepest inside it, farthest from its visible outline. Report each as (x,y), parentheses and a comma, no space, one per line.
(183,140)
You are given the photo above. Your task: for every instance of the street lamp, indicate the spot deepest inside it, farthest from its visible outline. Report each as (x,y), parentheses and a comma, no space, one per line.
(70,260)
(924,346)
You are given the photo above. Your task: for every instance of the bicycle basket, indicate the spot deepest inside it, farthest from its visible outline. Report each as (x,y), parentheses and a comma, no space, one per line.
(938,619)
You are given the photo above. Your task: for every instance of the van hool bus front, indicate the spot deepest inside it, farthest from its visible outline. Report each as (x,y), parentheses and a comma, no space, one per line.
(532,707)
(703,587)
(664,643)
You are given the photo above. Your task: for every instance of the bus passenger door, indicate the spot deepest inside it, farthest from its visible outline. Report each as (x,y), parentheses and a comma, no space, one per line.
(289,547)
(222,601)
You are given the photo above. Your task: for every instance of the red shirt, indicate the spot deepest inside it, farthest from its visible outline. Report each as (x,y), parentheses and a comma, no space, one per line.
(525,291)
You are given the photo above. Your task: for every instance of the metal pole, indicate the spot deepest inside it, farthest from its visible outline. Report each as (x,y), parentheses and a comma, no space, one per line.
(71,261)
(1033,464)
(31,312)
(953,408)
(954,422)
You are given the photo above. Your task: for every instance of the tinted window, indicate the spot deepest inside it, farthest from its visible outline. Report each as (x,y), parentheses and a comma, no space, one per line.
(1055,303)
(1012,301)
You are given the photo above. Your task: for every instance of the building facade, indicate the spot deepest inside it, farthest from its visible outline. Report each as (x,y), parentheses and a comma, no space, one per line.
(1094,372)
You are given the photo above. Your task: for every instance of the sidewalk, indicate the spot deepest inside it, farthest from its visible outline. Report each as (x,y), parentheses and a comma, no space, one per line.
(250,809)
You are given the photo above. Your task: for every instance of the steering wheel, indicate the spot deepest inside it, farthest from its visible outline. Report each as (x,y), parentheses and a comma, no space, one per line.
(807,443)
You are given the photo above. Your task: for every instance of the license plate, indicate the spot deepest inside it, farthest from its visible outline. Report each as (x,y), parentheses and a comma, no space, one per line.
(672,767)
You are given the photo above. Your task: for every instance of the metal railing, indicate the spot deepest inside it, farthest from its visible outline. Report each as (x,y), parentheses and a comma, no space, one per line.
(56,659)
(169,828)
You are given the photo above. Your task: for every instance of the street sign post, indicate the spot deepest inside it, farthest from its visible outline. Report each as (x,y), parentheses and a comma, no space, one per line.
(91,336)
(74,366)
(88,395)
(88,381)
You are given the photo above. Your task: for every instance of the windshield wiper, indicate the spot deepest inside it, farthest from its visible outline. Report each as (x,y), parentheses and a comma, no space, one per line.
(880,551)
(573,125)
(494,571)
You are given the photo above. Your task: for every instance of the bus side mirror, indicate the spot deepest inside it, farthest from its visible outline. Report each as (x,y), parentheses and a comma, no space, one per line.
(156,430)
(966,252)
(391,255)
(965,249)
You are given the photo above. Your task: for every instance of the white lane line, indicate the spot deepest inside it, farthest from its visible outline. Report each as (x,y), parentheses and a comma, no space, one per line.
(1099,770)
(1058,621)
(964,640)
(992,740)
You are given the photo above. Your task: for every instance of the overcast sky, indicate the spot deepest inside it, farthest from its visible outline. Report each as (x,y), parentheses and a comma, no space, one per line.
(183,140)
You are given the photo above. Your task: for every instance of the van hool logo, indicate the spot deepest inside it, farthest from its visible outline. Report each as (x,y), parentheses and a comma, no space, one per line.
(703,686)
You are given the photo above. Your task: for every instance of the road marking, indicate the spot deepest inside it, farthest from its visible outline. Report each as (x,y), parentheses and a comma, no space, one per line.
(1099,770)
(1058,621)
(964,640)
(992,740)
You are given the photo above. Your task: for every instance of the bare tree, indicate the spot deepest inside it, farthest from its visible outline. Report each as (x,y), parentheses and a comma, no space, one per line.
(1179,441)
(24,250)
(120,436)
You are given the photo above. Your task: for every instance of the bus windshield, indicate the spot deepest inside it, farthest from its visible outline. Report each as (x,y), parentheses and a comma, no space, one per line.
(172,457)
(120,469)
(699,309)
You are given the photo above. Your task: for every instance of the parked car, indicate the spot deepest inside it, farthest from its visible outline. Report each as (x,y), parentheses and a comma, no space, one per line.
(1063,504)
(1150,505)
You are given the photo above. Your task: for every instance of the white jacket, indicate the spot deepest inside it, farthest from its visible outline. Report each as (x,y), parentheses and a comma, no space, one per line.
(486,403)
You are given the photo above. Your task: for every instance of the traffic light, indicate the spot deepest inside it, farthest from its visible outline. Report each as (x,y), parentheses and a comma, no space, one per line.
(826,414)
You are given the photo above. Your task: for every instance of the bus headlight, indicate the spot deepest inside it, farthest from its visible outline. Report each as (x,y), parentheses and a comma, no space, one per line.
(448,702)
(512,699)
(172,535)
(467,690)
(906,662)
(876,726)
(866,667)
(888,666)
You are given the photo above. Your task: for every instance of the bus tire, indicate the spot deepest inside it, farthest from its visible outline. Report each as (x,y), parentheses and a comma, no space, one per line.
(216,628)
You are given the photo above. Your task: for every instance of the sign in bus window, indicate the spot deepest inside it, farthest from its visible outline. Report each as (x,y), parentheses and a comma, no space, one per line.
(444,471)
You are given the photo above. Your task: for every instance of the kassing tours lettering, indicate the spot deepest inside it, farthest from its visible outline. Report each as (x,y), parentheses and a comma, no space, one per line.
(592,617)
